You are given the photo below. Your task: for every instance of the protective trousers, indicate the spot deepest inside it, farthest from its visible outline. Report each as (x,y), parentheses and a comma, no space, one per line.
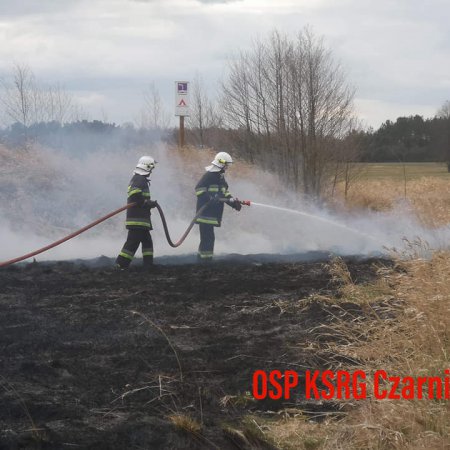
(136,237)
(207,238)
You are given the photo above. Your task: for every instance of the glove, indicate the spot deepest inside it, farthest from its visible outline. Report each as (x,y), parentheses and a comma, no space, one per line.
(236,204)
(150,203)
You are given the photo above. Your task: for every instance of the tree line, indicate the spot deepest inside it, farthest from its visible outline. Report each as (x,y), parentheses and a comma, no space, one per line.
(410,139)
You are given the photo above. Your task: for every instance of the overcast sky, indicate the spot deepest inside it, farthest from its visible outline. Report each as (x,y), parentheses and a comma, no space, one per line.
(106,52)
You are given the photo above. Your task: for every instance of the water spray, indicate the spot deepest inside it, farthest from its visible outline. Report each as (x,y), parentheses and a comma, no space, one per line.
(311,216)
(321,219)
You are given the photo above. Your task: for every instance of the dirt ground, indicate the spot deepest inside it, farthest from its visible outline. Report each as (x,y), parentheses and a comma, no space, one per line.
(93,358)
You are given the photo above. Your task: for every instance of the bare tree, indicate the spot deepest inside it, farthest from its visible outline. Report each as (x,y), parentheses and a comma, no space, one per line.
(290,103)
(76,114)
(54,104)
(19,96)
(444,113)
(203,113)
(153,113)
(444,110)
(348,168)
(25,101)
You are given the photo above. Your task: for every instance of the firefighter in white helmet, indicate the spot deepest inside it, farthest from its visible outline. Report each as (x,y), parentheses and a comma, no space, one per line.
(213,188)
(138,221)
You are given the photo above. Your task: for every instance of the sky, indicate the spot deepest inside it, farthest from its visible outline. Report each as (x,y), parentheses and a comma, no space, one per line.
(106,53)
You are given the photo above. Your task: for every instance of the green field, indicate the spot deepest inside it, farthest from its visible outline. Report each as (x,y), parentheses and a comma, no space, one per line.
(397,171)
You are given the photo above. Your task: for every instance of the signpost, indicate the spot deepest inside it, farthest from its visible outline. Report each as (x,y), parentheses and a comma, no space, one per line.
(181,106)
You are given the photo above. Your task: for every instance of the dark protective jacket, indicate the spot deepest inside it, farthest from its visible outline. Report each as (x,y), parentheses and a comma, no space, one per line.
(138,217)
(211,184)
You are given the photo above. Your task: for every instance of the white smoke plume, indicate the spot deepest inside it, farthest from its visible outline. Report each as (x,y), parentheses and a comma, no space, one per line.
(46,194)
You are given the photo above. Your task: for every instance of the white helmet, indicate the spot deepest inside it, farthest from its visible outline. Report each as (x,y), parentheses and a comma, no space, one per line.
(221,161)
(145,165)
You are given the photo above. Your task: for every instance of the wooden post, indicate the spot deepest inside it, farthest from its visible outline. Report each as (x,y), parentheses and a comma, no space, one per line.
(181,132)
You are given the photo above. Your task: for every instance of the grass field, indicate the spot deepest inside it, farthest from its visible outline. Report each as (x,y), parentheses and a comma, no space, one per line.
(420,188)
(398,171)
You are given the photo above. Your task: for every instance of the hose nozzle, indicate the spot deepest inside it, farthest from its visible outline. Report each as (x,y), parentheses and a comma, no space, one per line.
(245,202)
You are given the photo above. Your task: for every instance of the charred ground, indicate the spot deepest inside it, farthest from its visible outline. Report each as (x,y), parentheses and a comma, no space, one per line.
(98,359)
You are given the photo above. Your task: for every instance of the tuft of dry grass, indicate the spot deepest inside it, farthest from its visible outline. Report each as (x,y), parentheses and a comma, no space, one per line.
(253,434)
(193,428)
(186,423)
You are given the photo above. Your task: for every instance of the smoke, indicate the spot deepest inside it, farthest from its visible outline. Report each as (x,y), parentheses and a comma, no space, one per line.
(46,194)
(284,223)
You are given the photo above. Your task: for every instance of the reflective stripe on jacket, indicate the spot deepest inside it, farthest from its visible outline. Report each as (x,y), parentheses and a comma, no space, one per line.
(210,185)
(138,216)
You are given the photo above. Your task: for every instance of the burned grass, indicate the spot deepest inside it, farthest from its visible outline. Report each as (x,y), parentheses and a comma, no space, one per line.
(93,358)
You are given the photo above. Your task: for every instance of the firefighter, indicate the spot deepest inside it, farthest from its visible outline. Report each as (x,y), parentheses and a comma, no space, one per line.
(138,222)
(213,188)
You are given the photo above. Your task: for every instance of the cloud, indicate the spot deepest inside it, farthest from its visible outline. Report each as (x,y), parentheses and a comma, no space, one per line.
(375,112)
(394,52)
(14,8)
(218,1)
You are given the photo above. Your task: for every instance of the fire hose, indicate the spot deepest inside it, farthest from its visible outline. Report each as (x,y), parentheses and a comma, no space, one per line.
(108,216)
(189,228)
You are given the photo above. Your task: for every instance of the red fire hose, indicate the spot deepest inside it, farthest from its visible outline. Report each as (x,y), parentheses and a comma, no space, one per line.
(70,236)
(102,219)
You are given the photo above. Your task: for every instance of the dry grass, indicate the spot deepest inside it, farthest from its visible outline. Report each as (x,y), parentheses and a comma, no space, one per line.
(400,171)
(186,423)
(427,197)
(192,428)
(408,335)
(253,434)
